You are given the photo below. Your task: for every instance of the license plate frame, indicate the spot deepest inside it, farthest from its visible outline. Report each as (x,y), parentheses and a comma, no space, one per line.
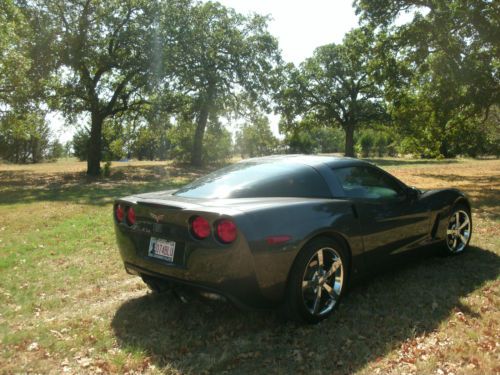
(161,248)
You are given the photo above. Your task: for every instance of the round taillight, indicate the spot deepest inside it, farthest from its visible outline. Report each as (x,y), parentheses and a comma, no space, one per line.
(200,227)
(131,216)
(226,231)
(119,213)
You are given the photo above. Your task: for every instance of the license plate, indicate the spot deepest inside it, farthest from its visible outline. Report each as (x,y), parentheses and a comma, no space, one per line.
(162,249)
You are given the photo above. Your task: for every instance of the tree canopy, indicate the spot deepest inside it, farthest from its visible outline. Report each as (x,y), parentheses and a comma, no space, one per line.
(220,57)
(162,78)
(335,87)
(440,70)
(99,52)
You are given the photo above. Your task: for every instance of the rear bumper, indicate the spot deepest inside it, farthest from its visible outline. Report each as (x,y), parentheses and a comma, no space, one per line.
(243,302)
(225,270)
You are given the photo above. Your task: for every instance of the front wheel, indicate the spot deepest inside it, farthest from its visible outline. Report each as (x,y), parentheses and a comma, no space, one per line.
(459,230)
(317,281)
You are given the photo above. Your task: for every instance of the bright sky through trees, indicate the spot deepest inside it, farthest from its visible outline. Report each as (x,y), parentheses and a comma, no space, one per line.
(300,26)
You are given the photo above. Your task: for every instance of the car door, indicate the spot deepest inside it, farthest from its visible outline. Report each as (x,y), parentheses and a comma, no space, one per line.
(391,220)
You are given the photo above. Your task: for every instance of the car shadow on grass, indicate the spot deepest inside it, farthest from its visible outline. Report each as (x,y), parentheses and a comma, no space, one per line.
(378,315)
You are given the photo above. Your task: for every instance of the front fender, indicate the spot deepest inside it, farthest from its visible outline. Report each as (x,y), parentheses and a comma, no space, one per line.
(441,203)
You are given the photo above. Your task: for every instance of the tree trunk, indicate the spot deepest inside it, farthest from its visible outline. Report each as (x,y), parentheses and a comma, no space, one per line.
(197,153)
(444,149)
(349,140)
(94,149)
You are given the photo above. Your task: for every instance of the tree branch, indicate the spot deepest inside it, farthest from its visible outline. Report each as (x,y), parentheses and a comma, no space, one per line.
(119,90)
(127,107)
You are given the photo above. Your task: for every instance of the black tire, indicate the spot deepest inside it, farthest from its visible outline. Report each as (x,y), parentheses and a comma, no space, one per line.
(156,285)
(457,237)
(303,302)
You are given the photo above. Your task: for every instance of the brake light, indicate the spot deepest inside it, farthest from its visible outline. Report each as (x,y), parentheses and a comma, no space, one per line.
(119,213)
(226,231)
(131,216)
(200,227)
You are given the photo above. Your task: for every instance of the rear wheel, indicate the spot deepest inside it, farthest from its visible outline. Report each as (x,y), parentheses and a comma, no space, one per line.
(317,281)
(155,284)
(459,230)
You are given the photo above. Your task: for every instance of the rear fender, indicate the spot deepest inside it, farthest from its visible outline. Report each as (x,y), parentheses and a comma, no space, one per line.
(301,222)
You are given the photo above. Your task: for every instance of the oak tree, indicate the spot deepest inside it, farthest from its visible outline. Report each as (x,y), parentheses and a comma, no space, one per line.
(335,87)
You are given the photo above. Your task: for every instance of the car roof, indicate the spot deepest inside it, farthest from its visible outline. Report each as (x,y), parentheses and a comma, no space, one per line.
(311,160)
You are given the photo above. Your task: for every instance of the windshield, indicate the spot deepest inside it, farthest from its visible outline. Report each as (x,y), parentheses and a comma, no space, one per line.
(257,179)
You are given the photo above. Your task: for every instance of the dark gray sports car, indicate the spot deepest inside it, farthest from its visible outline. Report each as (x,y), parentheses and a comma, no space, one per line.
(284,230)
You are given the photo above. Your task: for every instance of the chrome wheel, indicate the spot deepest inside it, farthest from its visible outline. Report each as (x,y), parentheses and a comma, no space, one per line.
(322,281)
(458,232)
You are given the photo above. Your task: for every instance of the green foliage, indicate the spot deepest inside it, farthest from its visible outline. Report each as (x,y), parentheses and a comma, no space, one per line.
(216,139)
(15,62)
(55,151)
(309,137)
(440,71)
(113,142)
(24,137)
(220,56)
(100,54)
(151,140)
(366,142)
(255,138)
(116,59)
(135,67)
(106,171)
(219,144)
(80,144)
(375,142)
(335,87)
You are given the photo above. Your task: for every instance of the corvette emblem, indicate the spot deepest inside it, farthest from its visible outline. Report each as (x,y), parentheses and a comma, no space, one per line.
(156,217)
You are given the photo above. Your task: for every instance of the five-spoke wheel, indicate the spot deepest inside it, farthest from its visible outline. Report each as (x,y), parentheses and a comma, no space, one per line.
(322,281)
(317,280)
(459,230)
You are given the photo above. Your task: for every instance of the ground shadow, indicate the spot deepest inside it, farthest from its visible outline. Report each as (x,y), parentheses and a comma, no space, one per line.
(24,186)
(401,162)
(483,191)
(377,316)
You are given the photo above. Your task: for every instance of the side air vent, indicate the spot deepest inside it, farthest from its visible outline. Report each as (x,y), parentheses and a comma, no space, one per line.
(435,226)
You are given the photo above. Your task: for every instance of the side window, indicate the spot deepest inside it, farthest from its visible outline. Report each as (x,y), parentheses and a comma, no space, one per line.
(367,182)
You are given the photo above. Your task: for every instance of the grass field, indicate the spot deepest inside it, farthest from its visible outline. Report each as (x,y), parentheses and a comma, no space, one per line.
(67,305)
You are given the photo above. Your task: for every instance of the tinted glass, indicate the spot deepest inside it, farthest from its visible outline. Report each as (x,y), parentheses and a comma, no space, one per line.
(252,180)
(367,182)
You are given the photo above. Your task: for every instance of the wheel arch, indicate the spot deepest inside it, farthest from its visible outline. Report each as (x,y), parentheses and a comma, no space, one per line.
(462,200)
(330,234)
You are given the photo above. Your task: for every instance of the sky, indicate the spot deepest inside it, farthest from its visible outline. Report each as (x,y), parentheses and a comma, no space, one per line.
(300,27)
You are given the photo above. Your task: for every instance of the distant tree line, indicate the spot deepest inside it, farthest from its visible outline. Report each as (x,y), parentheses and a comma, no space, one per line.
(161,79)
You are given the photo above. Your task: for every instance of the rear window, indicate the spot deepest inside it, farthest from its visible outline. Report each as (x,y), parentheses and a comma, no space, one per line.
(259,180)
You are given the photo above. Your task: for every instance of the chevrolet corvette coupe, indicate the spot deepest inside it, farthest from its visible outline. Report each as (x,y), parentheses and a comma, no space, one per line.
(285,231)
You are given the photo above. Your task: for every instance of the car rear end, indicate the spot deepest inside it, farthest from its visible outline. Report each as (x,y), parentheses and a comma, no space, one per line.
(188,244)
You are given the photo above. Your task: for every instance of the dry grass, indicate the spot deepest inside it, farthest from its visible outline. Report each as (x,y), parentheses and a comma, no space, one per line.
(66,304)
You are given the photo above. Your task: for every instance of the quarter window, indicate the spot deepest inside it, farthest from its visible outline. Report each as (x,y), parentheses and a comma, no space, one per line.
(368,183)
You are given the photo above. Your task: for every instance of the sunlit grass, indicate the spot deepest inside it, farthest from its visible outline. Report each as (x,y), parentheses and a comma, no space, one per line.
(66,303)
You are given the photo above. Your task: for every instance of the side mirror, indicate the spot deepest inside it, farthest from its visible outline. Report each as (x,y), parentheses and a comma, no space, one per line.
(412,192)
